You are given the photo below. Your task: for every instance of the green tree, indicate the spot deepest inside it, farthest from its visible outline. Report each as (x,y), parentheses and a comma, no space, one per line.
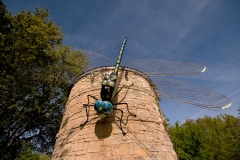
(188,141)
(215,138)
(28,154)
(35,74)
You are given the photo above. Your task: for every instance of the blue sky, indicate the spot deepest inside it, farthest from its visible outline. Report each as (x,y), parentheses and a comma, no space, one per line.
(201,31)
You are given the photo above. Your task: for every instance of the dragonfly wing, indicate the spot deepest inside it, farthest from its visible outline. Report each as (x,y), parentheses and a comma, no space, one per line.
(155,67)
(96,60)
(190,93)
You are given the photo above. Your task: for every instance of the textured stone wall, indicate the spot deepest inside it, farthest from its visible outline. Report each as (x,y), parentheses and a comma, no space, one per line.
(102,139)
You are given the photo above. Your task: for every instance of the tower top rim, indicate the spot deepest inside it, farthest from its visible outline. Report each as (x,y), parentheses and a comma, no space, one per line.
(153,86)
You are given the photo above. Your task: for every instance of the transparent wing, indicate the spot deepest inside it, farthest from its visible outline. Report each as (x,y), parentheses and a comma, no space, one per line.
(96,60)
(155,67)
(190,93)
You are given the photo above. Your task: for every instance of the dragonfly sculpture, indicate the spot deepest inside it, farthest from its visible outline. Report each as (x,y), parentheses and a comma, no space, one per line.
(156,70)
(108,92)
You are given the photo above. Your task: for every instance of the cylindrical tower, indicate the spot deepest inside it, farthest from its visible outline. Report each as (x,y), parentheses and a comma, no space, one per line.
(101,139)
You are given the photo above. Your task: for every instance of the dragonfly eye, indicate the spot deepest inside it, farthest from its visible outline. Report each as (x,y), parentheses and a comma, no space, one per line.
(103,108)
(97,105)
(107,107)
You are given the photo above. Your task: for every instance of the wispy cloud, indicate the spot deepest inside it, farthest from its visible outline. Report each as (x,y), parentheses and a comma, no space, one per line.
(161,25)
(235,93)
(198,114)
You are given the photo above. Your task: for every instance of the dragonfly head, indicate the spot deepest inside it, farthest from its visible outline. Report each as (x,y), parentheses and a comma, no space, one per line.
(103,108)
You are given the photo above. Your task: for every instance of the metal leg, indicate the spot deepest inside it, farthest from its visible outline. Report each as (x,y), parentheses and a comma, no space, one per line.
(124,133)
(122,114)
(87,109)
(134,115)
(121,89)
(92,97)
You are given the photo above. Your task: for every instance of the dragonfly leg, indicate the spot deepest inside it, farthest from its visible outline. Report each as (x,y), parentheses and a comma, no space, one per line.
(86,106)
(134,115)
(128,86)
(92,97)
(124,133)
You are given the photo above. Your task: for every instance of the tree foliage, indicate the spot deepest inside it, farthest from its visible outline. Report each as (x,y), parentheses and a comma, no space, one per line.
(28,153)
(210,138)
(35,73)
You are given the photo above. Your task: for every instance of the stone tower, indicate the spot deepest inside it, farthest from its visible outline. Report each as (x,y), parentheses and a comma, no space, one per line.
(101,139)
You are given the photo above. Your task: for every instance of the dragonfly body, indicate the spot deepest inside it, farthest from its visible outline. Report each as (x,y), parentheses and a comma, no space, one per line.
(108,91)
